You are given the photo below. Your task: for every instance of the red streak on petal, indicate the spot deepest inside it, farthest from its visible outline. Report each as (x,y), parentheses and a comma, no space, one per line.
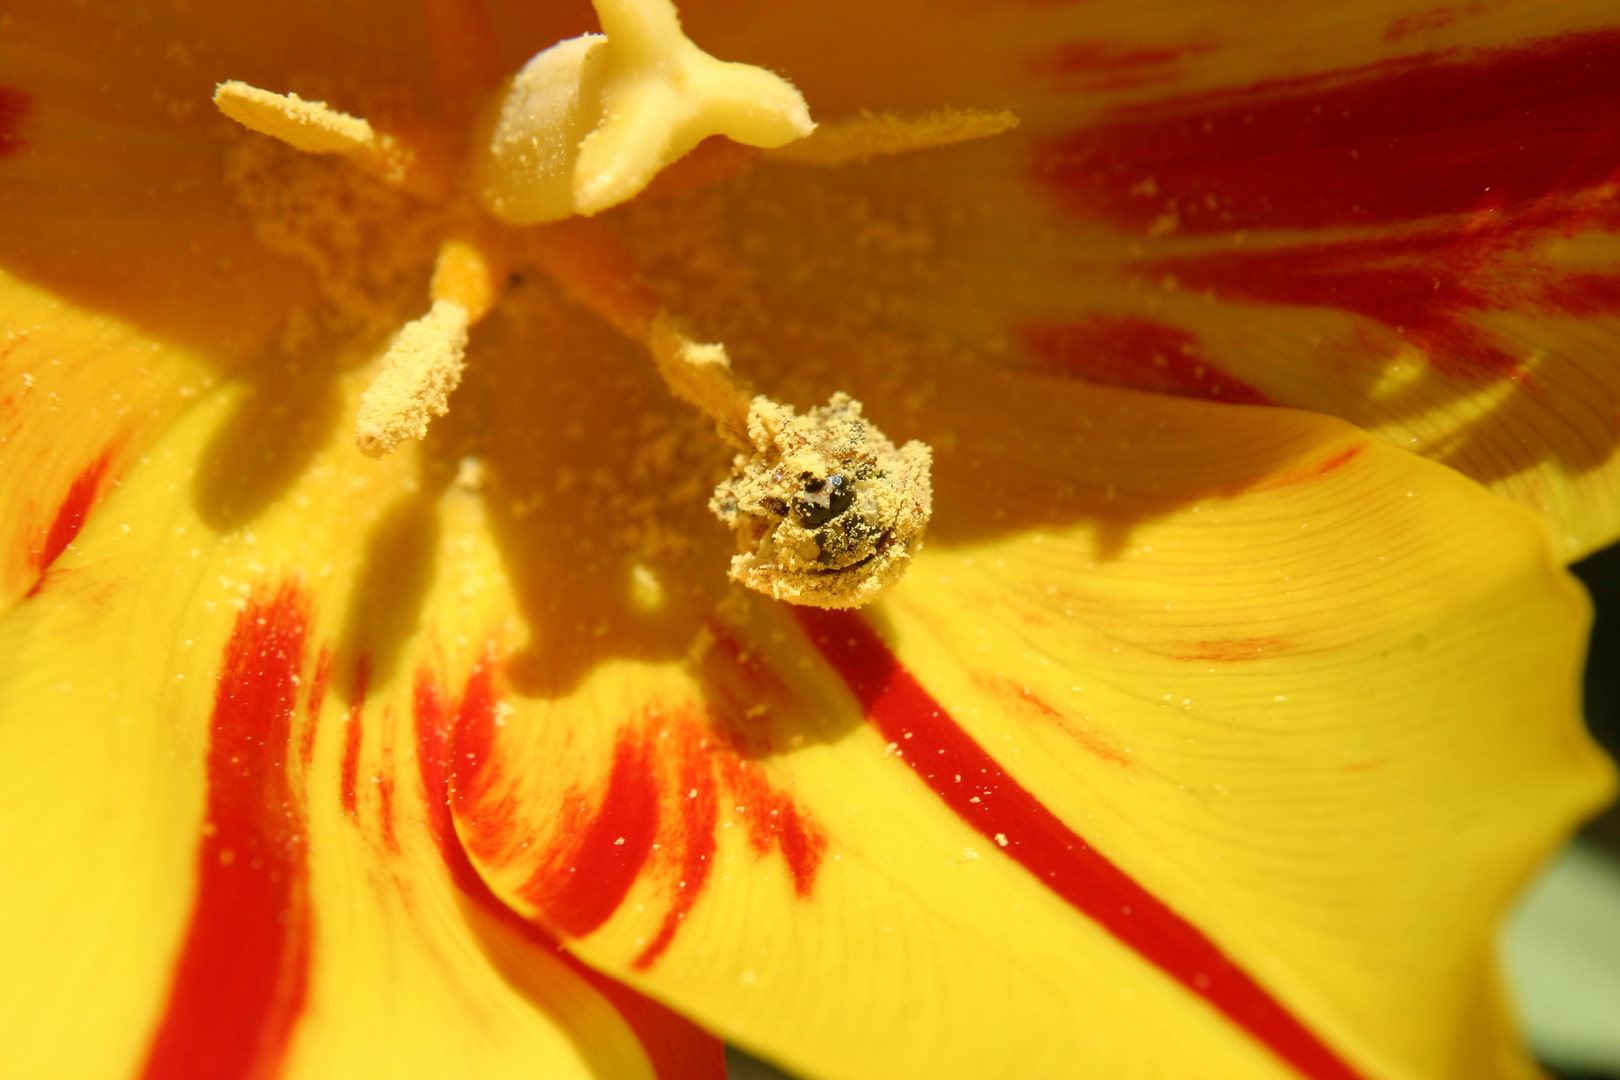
(1409,139)
(653,817)
(697,812)
(1420,287)
(318,686)
(1142,354)
(678,1049)
(1101,56)
(81,496)
(15,105)
(896,703)
(352,735)
(1311,471)
(1407,25)
(1100,65)
(773,818)
(1237,649)
(1024,699)
(585,880)
(240,980)
(1584,295)
(491,829)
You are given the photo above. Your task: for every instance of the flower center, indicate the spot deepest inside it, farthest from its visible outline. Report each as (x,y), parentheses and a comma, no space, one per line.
(825,509)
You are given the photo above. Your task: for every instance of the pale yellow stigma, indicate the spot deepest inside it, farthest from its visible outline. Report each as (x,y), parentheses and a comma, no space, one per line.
(589,122)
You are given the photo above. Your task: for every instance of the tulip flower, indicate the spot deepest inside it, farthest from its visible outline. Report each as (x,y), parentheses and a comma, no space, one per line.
(379,695)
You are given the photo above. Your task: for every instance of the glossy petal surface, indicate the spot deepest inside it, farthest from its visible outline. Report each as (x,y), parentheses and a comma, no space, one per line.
(394,730)
(1232,657)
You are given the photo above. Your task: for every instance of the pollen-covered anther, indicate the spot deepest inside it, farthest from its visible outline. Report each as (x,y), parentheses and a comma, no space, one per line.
(420,369)
(589,122)
(311,126)
(826,510)
(424,362)
(417,165)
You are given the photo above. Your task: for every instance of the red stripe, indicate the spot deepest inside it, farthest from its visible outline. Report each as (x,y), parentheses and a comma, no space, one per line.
(69,519)
(677,1048)
(240,982)
(937,748)
(1415,137)
(349,775)
(697,813)
(581,887)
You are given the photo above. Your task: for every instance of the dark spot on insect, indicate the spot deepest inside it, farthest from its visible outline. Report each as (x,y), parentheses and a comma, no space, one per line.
(774,505)
(823,500)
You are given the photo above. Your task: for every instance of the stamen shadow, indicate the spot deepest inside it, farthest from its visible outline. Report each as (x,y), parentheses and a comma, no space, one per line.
(287,412)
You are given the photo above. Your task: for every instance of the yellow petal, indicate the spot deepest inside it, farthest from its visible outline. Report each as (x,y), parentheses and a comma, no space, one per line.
(1216,666)
(237,855)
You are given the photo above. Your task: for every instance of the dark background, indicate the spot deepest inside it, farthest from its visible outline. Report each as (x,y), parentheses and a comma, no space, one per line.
(1601,573)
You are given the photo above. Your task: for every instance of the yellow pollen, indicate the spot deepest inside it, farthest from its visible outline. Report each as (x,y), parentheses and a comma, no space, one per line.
(310,126)
(868,136)
(420,369)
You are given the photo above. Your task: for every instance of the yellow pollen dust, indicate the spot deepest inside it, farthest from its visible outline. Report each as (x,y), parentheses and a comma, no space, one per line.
(825,509)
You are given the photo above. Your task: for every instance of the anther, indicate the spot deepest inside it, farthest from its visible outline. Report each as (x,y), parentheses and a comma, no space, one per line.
(424,362)
(417,165)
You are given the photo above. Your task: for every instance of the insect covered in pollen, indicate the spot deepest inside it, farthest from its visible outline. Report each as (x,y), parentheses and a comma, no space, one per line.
(826,510)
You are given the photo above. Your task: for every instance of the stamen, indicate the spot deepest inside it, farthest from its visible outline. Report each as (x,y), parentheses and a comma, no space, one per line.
(589,122)
(421,368)
(311,126)
(471,271)
(419,165)
(701,375)
(868,136)
(425,361)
